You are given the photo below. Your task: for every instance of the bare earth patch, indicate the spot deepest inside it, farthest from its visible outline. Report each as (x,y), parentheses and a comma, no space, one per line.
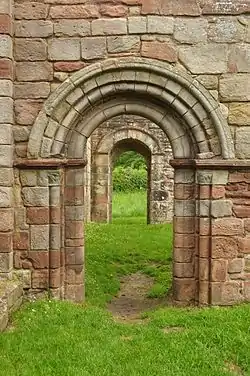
(234,369)
(132,299)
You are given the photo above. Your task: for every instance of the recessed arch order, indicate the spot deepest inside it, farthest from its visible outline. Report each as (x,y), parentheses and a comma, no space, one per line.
(178,103)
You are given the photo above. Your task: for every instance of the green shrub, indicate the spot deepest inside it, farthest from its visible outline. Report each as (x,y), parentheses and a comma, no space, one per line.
(131,159)
(128,179)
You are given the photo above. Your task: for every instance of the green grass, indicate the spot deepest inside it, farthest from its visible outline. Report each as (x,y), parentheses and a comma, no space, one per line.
(63,339)
(127,205)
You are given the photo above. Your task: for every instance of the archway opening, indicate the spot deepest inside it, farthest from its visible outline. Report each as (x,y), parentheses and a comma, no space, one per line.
(130,189)
(187,114)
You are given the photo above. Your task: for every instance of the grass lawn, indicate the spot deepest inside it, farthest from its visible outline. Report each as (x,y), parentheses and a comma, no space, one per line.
(64,339)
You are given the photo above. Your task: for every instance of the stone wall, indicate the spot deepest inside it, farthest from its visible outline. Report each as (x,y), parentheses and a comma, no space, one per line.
(67,67)
(208,40)
(160,173)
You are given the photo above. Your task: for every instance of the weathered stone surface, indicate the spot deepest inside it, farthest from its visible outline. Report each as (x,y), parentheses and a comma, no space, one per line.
(6,110)
(31,10)
(239,113)
(236,266)
(93,48)
(26,111)
(34,71)
(64,49)
(171,7)
(234,87)
(35,29)
(242,142)
(5,46)
(239,59)
(206,58)
(32,90)
(109,26)
(190,31)
(6,88)
(123,44)
(159,50)
(137,25)
(72,28)
(30,49)
(35,196)
(74,11)
(160,25)
(39,237)
(226,30)
(225,7)
(113,10)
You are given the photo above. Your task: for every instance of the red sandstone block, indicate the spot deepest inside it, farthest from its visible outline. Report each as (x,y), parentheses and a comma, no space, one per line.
(203,269)
(74,195)
(74,256)
(74,242)
(184,191)
(239,177)
(226,7)
(183,254)
(74,230)
(226,247)
(159,50)
(204,245)
(37,215)
(74,293)
(54,259)
(171,7)
(204,192)
(219,270)
(244,245)
(21,240)
(68,66)
(5,24)
(184,241)
(228,226)
(113,10)
(40,259)
(5,242)
(218,191)
(183,269)
(184,289)
(6,69)
(74,11)
(55,215)
(40,279)
(246,290)
(238,187)
(19,256)
(55,278)
(241,211)
(226,292)
(247,225)
(184,225)
(203,292)
(74,274)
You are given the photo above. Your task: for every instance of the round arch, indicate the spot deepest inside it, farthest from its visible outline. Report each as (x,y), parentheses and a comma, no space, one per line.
(178,103)
(110,146)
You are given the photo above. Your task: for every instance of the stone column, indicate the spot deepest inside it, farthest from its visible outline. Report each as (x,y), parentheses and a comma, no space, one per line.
(101,188)
(184,281)
(74,232)
(6,139)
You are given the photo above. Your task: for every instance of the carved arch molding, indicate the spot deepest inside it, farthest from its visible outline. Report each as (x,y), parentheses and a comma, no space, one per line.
(202,149)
